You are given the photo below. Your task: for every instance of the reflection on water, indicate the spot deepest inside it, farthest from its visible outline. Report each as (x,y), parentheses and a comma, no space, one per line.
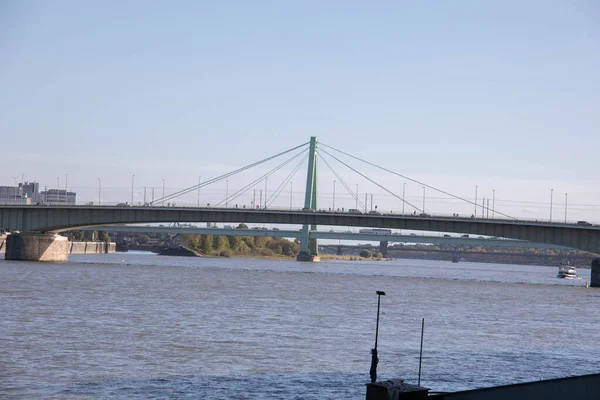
(138,326)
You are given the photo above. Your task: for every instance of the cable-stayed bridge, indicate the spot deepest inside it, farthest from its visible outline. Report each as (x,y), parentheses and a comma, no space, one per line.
(44,220)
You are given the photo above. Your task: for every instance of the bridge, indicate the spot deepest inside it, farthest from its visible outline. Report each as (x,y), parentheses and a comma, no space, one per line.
(336,235)
(39,223)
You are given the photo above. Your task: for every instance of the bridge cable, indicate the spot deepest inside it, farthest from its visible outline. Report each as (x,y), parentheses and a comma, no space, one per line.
(354,195)
(412,180)
(372,181)
(280,188)
(244,189)
(221,177)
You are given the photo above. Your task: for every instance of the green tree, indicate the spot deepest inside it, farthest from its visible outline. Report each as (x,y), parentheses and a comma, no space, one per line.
(207,244)
(221,243)
(143,239)
(365,254)
(74,236)
(103,236)
(234,242)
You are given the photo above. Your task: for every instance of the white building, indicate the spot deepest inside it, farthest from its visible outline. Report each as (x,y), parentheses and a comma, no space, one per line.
(58,196)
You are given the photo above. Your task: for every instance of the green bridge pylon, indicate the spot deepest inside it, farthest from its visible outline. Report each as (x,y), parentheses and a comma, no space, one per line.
(308,247)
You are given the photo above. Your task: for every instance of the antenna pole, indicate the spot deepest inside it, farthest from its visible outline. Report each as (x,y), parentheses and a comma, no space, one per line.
(421,352)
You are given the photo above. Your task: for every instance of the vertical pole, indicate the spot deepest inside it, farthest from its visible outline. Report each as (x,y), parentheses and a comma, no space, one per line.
(144,195)
(66,188)
(309,247)
(374,358)
(488,208)
(371,201)
(483,208)
(152,194)
(132,180)
(366,203)
(291,195)
(421,352)
(226,193)
(565,208)
(356,205)
(551,194)
(22,188)
(333,204)
(423,199)
(254,199)
(99,182)
(493,203)
(475,214)
(163,196)
(266,183)
(403,196)
(260,199)
(57,191)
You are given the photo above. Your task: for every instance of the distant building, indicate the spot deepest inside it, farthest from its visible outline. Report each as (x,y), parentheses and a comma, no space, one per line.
(58,196)
(31,190)
(13,195)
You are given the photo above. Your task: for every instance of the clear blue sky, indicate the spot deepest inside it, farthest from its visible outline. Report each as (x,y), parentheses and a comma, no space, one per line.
(501,94)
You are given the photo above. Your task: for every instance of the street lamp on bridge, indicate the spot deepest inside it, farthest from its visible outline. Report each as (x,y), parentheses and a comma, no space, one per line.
(333,205)
(551,193)
(132,180)
(403,196)
(99,184)
(163,196)
(226,193)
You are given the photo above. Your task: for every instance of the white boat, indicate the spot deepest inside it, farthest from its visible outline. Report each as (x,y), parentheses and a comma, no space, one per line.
(566,271)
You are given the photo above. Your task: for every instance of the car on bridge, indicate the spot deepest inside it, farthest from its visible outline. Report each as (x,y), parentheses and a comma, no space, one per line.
(583,223)
(354,211)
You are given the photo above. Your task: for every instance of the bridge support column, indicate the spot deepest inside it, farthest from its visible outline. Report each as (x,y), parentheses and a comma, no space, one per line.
(595,278)
(383,249)
(309,251)
(33,246)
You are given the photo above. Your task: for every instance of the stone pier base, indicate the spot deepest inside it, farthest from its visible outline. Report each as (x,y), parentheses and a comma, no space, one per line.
(32,246)
(595,279)
(308,257)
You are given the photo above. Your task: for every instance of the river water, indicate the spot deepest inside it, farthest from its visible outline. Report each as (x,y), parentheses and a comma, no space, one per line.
(140,326)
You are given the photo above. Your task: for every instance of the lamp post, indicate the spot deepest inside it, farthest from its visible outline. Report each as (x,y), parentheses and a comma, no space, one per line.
(163,196)
(99,184)
(493,202)
(566,208)
(66,188)
(356,206)
(475,201)
(333,204)
(15,178)
(22,187)
(266,185)
(226,193)
(423,199)
(57,190)
(551,194)
(403,196)
(132,181)
(374,359)
(290,195)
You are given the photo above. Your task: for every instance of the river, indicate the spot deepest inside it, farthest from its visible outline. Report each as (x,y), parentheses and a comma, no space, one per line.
(137,326)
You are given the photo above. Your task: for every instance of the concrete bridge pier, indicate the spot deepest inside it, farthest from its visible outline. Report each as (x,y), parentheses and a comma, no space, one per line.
(34,246)
(595,278)
(383,248)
